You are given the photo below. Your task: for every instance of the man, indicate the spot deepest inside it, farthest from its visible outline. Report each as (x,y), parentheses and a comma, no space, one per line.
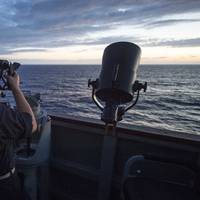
(14,124)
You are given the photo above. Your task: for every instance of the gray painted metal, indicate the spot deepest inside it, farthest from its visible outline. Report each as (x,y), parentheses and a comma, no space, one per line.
(76,154)
(107,164)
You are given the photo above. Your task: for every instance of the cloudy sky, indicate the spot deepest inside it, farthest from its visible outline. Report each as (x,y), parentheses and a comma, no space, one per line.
(77,31)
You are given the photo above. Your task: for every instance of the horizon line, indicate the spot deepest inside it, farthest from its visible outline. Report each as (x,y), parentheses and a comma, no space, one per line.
(101,64)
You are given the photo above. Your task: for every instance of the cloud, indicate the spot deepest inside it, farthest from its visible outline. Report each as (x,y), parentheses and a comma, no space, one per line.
(56,23)
(11,51)
(194,42)
(167,22)
(28,50)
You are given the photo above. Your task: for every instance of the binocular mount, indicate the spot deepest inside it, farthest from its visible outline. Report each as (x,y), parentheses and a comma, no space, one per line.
(113,111)
(117,84)
(116,88)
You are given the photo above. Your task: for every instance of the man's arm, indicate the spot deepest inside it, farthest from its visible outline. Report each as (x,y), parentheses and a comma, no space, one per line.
(21,103)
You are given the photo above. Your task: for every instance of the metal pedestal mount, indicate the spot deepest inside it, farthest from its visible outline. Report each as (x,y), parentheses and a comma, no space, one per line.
(111,114)
(113,93)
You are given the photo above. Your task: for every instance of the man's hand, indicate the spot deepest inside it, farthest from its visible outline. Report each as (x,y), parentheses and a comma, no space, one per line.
(13,81)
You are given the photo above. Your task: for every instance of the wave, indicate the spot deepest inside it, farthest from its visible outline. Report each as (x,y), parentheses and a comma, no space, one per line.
(172,100)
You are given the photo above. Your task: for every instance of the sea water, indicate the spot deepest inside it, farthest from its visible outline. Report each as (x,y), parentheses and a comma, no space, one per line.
(172,99)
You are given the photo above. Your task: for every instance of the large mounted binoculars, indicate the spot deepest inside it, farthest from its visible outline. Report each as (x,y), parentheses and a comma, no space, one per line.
(6,68)
(117,84)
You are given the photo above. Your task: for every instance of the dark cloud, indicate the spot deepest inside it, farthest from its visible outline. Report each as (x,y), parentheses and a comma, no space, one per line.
(55,23)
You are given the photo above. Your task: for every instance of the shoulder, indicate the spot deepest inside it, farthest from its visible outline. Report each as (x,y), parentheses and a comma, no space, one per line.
(9,114)
(4,108)
(3,105)
(13,123)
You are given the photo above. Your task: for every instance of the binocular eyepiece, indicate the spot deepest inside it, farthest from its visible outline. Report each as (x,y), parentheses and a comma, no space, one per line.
(117,82)
(6,68)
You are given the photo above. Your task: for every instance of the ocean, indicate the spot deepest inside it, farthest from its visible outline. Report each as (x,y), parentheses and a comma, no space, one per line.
(172,99)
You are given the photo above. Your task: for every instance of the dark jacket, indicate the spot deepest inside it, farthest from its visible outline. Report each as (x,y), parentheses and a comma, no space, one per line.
(14,125)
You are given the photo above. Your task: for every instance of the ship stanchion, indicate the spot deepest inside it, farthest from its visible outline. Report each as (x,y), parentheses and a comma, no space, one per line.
(107,162)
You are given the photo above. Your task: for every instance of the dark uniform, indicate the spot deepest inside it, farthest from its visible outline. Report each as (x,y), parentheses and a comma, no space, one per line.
(13,126)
